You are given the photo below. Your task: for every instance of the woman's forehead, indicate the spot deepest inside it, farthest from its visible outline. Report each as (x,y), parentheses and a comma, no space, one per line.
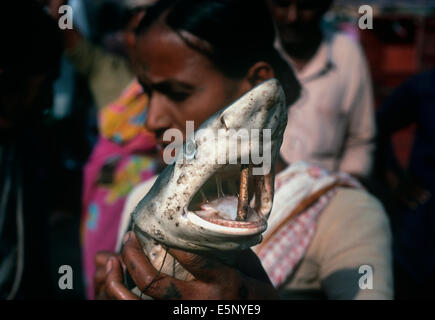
(162,54)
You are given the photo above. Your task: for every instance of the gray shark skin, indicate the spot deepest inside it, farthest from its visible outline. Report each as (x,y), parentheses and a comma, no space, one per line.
(163,217)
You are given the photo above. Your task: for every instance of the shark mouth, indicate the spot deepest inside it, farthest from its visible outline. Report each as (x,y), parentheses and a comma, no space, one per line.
(233,202)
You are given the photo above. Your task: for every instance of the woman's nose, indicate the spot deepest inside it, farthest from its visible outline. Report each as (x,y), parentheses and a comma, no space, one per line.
(158,116)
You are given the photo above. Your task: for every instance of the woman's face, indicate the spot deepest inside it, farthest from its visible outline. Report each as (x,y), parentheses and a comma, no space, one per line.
(183,84)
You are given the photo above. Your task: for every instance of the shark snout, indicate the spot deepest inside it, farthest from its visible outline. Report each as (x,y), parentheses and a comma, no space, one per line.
(253,110)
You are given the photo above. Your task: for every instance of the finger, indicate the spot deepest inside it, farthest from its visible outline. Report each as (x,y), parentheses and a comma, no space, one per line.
(99,280)
(146,277)
(208,269)
(101,257)
(138,264)
(201,267)
(114,282)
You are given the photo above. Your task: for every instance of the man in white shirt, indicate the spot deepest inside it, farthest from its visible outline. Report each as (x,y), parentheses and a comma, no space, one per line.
(332,125)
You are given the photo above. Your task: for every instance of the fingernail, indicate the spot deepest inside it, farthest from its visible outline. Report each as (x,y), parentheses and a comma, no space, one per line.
(126,237)
(109,265)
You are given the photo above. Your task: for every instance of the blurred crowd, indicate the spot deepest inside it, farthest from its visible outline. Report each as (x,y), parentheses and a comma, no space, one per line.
(81,121)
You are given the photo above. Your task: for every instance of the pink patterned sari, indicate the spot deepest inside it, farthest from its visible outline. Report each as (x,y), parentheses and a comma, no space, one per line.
(121,159)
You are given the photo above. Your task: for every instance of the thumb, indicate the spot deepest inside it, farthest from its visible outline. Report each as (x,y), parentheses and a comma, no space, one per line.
(201,267)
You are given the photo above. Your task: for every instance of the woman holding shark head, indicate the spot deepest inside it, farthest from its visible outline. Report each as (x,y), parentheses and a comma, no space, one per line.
(194,57)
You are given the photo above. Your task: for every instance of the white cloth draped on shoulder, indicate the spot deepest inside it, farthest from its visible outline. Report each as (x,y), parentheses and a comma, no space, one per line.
(302,192)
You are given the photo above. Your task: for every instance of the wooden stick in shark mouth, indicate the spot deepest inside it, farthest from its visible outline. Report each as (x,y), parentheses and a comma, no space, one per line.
(243,198)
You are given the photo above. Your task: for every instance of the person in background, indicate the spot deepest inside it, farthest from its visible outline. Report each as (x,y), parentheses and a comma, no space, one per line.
(122,158)
(123,155)
(411,190)
(332,125)
(108,73)
(196,57)
(29,64)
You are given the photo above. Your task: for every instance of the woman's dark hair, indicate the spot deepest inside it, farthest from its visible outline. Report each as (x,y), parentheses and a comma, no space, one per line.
(234,34)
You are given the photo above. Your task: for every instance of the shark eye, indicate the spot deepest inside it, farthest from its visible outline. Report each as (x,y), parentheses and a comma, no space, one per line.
(190,149)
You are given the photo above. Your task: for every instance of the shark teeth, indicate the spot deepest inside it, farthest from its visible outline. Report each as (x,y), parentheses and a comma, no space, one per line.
(220,215)
(227,227)
(243,208)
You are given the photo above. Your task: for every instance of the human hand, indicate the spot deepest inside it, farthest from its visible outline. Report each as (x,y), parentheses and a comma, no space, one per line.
(213,280)
(101,259)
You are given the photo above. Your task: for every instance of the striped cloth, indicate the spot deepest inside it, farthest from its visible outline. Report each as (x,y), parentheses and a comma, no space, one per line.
(301,193)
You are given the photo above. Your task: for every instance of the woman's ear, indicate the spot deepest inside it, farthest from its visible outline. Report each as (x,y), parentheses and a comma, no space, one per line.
(259,72)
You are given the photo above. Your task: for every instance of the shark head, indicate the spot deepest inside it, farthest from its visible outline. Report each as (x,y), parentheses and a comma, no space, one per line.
(195,202)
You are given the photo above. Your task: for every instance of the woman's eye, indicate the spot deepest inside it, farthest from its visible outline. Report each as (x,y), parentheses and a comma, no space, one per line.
(178,96)
(146,89)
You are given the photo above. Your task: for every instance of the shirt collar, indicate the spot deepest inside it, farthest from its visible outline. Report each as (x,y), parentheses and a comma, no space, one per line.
(318,66)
